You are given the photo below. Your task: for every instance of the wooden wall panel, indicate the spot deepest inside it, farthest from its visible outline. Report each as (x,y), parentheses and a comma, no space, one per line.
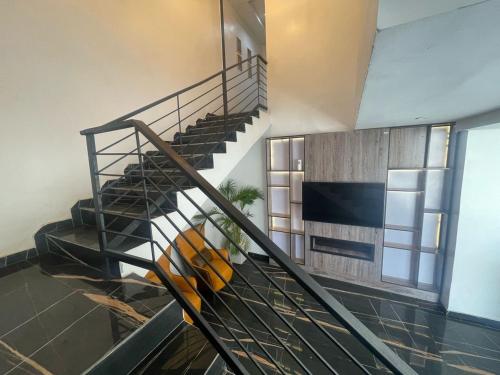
(407,147)
(359,156)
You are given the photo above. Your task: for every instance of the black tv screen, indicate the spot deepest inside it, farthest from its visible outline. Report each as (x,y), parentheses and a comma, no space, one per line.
(360,204)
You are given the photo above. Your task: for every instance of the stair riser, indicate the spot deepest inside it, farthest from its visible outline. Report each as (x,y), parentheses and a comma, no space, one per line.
(211,123)
(199,138)
(214,129)
(234,115)
(200,148)
(162,180)
(137,196)
(201,161)
(91,257)
(88,218)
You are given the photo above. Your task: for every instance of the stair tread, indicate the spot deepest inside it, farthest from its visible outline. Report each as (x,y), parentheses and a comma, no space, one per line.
(135,211)
(86,236)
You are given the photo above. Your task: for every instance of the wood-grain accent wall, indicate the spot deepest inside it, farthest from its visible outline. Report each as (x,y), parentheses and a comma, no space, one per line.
(359,156)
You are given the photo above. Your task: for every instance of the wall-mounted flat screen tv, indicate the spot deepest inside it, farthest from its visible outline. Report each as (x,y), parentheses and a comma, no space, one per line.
(360,204)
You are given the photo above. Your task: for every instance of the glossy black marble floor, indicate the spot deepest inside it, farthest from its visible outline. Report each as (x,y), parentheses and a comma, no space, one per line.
(58,316)
(188,352)
(418,332)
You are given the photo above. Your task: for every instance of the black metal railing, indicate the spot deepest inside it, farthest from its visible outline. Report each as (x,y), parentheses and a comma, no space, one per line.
(258,323)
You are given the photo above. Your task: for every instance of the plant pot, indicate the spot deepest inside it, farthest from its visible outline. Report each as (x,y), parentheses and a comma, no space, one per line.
(238,258)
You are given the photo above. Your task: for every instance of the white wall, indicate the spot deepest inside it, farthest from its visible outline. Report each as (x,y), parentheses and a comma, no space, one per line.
(476,264)
(68,65)
(318,53)
(251,170)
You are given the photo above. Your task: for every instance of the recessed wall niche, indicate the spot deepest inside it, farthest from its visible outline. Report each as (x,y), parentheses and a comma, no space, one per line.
(285,174)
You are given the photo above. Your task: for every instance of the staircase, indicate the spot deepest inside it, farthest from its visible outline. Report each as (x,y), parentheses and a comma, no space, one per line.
(160,170)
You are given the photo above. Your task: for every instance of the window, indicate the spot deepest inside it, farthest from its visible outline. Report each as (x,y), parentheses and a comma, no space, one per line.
(249,54)
(238,54)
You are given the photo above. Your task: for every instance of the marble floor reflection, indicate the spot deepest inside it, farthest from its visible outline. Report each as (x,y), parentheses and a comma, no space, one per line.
(58,316)
(418,332)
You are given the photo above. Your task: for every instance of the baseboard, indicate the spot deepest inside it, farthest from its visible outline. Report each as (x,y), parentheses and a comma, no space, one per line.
(466,318)
(261,257)
(18,257)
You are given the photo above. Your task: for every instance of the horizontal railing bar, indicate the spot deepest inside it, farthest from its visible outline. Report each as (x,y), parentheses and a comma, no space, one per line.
(195,290)
(242,91)
(202,323)
(190,223)
(181,233)
(245,98)
(358,329)
(273,282)
(193,313)
(240,74)
(110,126)
(250,103)
(246,80)
(216,225)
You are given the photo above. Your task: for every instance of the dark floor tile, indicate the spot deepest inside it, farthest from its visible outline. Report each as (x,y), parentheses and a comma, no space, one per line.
(82,344)
(8,358)
(45,326)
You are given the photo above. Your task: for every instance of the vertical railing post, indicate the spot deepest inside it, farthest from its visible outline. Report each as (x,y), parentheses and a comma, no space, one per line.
(178,119)
(258,80)
(224,67)
(98,206)
(145,191)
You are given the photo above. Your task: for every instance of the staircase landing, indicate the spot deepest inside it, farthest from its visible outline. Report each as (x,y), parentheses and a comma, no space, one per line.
(58,316)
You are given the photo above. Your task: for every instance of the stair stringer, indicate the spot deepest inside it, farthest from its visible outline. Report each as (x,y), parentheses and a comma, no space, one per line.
(224,163)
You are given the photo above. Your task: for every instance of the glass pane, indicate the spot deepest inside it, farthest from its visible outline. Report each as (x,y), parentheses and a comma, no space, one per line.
(296,215)
(297,154)
(401,208)
(282,240)
(296,179)
(434,189)
(280,223)
(407,179)
(278,178)
(399,237)
(279,199)
(279,154)
(396,266)
(298,248)
(430,230)
(426,271)
(438,147)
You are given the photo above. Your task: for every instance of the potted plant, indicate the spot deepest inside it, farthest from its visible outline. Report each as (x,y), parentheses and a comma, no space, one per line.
(243,197)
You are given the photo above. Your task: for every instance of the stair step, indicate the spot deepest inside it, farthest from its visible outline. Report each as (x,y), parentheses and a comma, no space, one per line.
(199,161)
(219,136)
(138,212)
(82,242)
(219,122)
(126,193)
(200,148)
(232,115)
(202,130)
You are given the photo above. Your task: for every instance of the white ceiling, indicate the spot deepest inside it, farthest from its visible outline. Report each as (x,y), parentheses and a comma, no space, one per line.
(397,12)
(252,14)
(436,69)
